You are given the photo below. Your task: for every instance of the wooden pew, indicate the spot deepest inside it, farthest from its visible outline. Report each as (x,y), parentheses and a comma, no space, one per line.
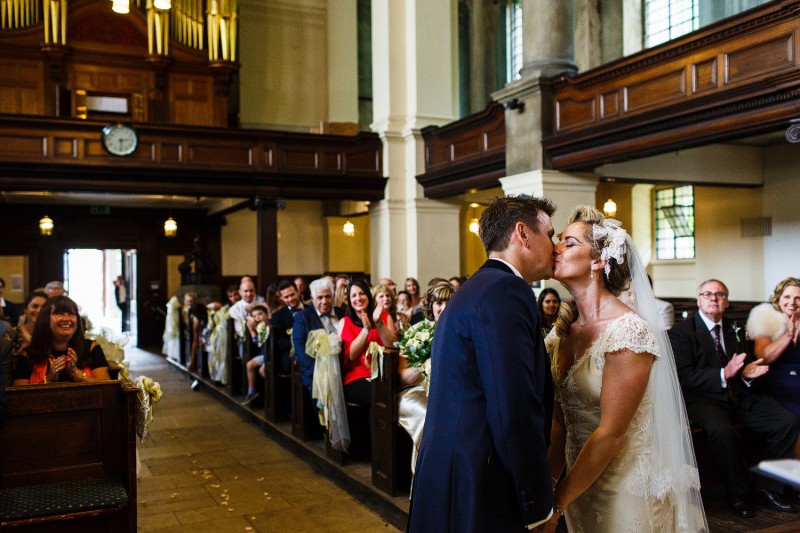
(234,363)
(391,445)
(277,385)
(68,460)
(305,422)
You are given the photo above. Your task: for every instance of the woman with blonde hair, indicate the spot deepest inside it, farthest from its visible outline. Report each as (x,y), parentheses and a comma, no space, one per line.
(774,328)
(619,424)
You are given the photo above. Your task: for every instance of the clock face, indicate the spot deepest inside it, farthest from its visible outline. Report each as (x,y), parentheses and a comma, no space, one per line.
(120,139)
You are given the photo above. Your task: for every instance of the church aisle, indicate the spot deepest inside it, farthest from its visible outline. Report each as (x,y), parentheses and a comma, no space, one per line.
(204,469)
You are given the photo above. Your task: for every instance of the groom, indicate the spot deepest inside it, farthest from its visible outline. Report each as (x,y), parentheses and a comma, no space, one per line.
(482,463)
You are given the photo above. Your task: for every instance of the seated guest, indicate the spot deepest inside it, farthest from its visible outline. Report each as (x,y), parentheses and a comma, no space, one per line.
(273,300)
(340,291)
(321,315)
(716,376)
(233,294)
(58,350)
(198,320)
(8,310)
(384,298)
(30,311)
(412,287)
(413,402)
(404,305)
(282,322)
(362,324)
(258,315)
(549,302)
(54,288)
(388,281)
(774,327)
(456,282)
(302,289)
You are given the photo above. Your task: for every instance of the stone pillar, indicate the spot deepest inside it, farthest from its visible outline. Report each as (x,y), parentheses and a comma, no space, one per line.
(415,84)
(547,38)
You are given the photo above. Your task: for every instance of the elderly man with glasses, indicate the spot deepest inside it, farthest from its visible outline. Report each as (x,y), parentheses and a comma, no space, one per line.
(717,377)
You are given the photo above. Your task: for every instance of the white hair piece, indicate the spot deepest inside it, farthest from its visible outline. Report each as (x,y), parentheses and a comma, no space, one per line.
(611,230)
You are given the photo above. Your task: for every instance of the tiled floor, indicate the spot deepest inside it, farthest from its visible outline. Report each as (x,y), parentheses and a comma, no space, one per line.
(204,469)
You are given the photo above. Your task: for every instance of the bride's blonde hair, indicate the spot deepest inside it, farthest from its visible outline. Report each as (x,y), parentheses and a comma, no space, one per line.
(618,276)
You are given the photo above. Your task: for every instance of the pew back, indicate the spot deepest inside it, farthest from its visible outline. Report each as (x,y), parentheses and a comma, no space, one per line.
(64,433)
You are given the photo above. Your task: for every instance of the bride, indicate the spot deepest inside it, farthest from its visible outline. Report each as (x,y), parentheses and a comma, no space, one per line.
(619,423)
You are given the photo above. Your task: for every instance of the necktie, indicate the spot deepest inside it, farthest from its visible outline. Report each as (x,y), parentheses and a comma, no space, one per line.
(715,332)
(326,323)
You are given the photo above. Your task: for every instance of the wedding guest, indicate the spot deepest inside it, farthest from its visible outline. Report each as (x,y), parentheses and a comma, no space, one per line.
(384,298)
(54,288)
(58,350)
(258,315)
(30,311)
(413,402)
(302,289)
(549,302)
(362,324)
(404,304)
(281,322)
(456,282)
(239,313)
(8,310)
(340,291)
(273,300)
(390,283)
(233,294)
(412,287)
(198,320)
(774,329)
(718,377)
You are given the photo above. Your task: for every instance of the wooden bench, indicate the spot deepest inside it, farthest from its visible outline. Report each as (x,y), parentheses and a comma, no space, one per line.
(234,363)
(68,460)
(277,385)
(305,421)
(391,445)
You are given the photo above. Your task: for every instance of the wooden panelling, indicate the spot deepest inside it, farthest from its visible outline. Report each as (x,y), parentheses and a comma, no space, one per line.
(736,77)
(40,152)
(658,91)
(221,155)
(21,86)
(192,100)
(760,60)
(466,154)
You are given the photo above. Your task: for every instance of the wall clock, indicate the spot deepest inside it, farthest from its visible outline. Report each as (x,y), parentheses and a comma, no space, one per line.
(120,139)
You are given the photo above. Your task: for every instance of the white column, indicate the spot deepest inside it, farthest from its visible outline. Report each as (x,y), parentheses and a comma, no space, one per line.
(343,61)
(414,67)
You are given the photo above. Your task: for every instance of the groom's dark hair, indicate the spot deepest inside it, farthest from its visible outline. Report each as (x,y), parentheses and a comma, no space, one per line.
(503,213)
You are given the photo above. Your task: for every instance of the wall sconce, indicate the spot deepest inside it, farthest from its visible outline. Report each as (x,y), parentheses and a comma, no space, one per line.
(170,227)
(349,229)
(120,6)
(474,226)
(46,225)
(162,4)
(610,208)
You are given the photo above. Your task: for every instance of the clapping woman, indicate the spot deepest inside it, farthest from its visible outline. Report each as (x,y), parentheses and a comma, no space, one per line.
(58,350)
(774,329)
(364,323)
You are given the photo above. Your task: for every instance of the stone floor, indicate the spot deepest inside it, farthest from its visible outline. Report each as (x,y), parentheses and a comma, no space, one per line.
(207,466)
(205,469)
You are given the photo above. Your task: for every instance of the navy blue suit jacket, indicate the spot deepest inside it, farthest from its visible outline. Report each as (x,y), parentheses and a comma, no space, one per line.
(282,321)
(482,464)
(306,321)
(11,310)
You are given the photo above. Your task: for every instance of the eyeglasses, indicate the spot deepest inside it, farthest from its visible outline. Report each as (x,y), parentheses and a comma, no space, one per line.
(709,294)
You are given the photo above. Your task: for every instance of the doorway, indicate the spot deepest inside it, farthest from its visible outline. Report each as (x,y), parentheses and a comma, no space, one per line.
(104,285)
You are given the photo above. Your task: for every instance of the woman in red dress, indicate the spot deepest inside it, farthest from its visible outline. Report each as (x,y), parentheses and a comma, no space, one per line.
(363,324)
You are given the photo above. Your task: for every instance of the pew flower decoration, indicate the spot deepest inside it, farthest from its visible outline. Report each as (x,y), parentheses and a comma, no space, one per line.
(263,333)
(415,345)
(149,395)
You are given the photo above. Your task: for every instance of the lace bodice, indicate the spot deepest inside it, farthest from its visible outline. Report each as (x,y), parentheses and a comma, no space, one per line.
(630,491)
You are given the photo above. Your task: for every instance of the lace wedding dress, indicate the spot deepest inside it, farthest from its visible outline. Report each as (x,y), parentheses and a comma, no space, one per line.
(633,494)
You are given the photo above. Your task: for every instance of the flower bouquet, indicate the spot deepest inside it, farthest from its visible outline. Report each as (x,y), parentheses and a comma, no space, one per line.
(149,394)
(263,333)
(415,344)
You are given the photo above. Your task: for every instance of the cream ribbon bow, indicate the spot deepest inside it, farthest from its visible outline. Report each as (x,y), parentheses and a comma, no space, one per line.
(326,386)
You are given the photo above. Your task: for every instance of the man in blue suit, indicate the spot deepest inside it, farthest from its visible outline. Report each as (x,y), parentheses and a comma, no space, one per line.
(312,318)
(482,464)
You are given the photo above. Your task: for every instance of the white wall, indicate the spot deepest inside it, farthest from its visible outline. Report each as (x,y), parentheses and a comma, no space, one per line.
(301,246)
(781,202)
(238,244)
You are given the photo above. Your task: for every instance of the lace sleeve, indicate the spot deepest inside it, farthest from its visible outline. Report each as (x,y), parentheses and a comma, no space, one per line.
(632,333)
